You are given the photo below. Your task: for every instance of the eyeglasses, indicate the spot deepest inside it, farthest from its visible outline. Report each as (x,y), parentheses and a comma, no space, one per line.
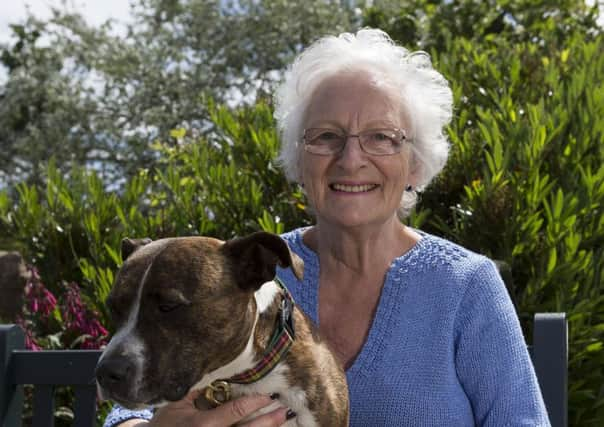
(377,142)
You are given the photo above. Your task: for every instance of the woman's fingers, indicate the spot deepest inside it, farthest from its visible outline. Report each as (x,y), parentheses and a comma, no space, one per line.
(236,410)
(271,419)
(184,413)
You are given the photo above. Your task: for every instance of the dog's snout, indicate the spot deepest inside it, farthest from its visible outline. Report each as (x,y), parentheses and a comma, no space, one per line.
(114,373)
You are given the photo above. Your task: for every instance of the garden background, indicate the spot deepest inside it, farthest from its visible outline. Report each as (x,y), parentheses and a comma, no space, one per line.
(167,130)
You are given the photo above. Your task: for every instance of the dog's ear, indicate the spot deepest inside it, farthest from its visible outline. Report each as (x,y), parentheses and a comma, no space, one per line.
(256,257)
(130,246)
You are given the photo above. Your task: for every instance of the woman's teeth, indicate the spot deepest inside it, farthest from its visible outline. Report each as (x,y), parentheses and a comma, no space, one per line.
(353,188)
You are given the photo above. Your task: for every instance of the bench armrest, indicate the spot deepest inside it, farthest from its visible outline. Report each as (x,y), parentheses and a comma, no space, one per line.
(550,358)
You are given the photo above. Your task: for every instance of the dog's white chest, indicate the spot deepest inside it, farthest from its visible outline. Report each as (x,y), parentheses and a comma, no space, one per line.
(290,397)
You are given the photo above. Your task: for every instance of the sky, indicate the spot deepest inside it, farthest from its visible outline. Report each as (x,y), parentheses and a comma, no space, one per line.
(95,11)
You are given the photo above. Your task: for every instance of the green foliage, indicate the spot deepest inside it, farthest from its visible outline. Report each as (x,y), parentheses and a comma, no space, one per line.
(433,24)
(39,106)
(223,185)
(525,178)
(95,99)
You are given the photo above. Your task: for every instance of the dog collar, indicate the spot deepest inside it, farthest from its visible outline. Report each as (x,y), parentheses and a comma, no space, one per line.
(282,339)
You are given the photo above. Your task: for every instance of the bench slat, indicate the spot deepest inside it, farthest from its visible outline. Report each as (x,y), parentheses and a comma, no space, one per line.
(11,395)
(44,406)
(54,367)
(45,369)
(84,406)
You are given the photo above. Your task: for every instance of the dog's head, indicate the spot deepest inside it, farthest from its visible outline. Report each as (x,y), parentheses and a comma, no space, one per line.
(182,308)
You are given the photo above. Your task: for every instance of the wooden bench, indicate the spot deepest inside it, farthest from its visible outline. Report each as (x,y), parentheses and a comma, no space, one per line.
(49,369)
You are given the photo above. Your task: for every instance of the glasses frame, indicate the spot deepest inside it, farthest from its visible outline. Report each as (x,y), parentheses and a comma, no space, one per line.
(401,133)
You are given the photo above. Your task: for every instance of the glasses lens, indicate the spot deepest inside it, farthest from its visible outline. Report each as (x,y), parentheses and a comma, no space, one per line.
(379,142)
(382,142)
(323,141)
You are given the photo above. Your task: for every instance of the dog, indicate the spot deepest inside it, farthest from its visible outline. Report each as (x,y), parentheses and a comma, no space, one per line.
(197,313)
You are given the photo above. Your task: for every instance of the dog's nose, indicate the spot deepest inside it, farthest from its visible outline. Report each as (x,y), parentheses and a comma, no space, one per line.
(113,373)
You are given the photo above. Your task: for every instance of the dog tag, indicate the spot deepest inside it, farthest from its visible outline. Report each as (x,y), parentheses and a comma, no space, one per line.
(218,392)
(287,316)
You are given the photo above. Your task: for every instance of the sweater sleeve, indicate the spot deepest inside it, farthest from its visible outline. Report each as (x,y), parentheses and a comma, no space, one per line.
(120,414)
(491,358)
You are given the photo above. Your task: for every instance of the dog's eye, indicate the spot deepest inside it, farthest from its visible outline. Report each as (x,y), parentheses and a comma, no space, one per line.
(170,299)
(166,307)
(116,314)
(111,308)
(112,312)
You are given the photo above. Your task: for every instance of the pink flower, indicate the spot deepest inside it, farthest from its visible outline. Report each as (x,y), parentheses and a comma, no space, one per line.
(30,341)
(81,320)
(76,320)
(39,300)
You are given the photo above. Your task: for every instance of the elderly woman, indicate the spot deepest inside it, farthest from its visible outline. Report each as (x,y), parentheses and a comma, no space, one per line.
(424,328)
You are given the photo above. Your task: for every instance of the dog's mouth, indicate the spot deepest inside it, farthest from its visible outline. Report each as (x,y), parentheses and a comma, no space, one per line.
(135,404)
(129,404)
(129,399)
(144,402)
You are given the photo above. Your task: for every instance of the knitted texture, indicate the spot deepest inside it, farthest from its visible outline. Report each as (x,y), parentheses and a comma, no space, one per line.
(120,414)
(445,347)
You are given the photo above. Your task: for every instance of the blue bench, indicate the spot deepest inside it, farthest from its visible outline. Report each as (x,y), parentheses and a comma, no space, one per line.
(75,368)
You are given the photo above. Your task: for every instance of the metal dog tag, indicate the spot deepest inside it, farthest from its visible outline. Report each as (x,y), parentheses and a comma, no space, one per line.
(218,393)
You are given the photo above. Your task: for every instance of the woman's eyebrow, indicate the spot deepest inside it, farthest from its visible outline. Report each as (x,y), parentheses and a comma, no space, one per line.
(326,124)
(375,124)
(380,124)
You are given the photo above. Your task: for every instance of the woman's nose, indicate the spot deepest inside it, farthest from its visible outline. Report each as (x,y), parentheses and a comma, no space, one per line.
(352,154)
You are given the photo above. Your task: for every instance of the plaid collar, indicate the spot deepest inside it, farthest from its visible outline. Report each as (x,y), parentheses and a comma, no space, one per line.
(282,339)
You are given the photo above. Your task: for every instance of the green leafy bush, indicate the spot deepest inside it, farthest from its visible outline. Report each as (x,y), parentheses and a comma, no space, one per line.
(531,192)
(222,185)
(525,179)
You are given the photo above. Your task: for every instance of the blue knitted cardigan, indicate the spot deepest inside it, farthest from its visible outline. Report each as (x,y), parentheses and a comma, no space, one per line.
(445,347)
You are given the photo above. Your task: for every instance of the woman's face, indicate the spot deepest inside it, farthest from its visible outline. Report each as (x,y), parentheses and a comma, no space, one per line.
(353,188)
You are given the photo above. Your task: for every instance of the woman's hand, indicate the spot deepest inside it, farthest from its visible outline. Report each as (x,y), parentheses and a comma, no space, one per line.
(184,413)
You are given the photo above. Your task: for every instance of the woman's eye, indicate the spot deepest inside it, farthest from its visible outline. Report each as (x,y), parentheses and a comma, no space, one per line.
(380,137)
(328,136)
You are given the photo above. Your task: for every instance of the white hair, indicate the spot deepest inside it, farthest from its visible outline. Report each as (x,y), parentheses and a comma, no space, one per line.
(423,92)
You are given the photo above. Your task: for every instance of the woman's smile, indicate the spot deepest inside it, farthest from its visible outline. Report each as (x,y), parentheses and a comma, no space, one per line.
(351,188)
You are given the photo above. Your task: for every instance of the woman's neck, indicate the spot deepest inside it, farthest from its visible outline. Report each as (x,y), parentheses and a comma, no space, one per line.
(359,251)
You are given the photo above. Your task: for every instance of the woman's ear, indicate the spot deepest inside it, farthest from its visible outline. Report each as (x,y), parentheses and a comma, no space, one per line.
(415,171)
